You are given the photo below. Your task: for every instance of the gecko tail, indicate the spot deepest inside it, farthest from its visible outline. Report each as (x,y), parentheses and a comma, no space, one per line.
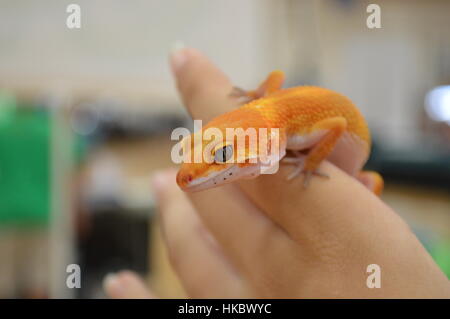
(373,181)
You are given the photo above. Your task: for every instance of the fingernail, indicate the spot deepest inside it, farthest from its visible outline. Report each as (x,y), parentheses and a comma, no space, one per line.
(112,285)
(178,56)
(177,46)
(159,182)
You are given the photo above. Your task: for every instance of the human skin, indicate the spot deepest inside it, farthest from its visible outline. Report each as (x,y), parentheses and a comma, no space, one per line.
(271,238)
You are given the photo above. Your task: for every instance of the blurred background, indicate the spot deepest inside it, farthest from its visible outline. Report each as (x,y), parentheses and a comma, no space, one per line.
(86,116)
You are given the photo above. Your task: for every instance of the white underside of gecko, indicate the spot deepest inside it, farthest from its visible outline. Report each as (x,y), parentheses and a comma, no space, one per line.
(349,153)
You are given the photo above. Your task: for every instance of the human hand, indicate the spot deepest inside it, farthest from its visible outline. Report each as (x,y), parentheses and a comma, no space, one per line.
(274,239)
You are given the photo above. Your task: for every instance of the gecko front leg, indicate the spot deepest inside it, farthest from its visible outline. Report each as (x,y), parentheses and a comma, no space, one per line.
(299,161)
(333,129)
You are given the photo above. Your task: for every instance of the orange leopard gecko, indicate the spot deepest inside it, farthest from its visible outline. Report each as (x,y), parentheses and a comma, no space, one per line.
(314,124)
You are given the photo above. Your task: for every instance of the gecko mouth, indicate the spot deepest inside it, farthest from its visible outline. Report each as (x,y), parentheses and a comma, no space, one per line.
(225,176)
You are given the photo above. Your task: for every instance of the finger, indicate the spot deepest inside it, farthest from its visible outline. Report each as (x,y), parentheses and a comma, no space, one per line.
(246,235)
(325,208)
(240,228)
(204,89)
(126,285)
(198,260)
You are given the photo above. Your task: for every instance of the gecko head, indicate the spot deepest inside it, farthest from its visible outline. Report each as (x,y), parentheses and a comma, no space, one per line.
(227,149)
(232,146)
(220,163)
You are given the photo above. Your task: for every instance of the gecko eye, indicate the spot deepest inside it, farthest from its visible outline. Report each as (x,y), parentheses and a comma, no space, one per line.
(223,154)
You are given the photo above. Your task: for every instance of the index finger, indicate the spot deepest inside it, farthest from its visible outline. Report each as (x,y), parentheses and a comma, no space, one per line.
(204,89)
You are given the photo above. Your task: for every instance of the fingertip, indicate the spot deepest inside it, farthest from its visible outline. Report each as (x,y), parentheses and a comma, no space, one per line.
(203,87)
(180,56)
(159,182)
(125,285)
(162,180)
(112,286)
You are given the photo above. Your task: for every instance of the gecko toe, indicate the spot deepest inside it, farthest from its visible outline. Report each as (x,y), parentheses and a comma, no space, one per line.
(308,174)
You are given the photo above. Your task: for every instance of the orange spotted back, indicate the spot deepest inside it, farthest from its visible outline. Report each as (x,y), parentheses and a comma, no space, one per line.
(299,108)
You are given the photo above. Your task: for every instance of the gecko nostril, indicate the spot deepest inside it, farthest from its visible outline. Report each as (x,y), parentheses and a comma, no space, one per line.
(184,178)
(179,178)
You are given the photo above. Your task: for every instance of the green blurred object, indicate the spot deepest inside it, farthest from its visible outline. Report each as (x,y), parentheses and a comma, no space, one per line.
(24,164)
(441,254)
(7,107)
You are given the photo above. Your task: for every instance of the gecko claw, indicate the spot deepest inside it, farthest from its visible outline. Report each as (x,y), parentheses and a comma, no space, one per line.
(298,170)
(299,161)
(240,95)
(309,174)
(237,92)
